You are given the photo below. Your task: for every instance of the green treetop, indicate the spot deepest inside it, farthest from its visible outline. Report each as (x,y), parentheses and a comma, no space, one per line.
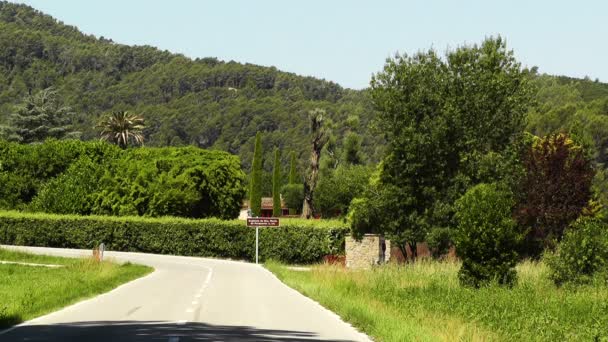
(40,117)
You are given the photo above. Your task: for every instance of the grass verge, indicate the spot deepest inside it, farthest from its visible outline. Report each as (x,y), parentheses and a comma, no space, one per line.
(424,302)
(30,291)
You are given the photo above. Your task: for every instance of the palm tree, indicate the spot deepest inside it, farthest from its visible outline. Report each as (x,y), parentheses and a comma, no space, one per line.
(120,128)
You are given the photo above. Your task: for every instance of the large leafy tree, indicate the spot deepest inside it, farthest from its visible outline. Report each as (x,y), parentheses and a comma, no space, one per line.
(41,116)
(122,128)
(442,119)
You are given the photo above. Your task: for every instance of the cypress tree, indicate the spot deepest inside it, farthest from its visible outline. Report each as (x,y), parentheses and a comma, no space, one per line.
(292,177)
(276,185)
(292,169)
(255,192)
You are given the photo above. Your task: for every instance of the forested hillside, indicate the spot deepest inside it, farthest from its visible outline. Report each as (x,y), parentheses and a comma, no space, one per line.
(221,105)
(204,102)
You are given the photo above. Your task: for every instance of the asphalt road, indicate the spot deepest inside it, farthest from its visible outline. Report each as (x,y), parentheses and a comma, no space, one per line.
(188,299)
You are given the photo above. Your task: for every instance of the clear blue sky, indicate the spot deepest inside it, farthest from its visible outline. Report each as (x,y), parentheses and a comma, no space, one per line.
(347,40)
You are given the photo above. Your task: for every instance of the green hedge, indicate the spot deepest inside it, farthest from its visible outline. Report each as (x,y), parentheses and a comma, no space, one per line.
(295,241)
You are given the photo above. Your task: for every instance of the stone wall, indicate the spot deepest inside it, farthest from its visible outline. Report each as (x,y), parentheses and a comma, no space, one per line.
(367,252)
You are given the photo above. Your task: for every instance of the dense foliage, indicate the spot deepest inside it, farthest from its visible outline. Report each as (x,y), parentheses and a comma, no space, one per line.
(337,188)
(487,238)
(98,178)
(582,254)
(442,119)
(555,189)
(293,242)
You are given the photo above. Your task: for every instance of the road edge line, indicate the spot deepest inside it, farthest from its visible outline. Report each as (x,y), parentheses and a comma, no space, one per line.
(364,335)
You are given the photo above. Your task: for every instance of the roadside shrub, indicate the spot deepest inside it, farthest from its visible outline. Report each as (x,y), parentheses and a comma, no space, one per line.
(296,241)
(486,238)
(582,254)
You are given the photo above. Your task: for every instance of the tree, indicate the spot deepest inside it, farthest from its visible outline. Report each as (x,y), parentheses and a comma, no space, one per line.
(352,149)
(486,237)
(255,192)
(440,117)
(556,189)
(319,136)
(276,185)
(40,117)
(296,197)
(337,188)
(122,128)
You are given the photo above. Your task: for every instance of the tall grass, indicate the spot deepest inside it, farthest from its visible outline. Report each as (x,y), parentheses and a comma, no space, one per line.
(424,301)
(29,291)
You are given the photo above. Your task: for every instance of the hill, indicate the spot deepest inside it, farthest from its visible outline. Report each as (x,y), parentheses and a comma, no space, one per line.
(204,102)
(221,105)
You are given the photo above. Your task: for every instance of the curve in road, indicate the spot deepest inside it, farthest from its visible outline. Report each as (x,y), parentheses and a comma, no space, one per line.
(187,299)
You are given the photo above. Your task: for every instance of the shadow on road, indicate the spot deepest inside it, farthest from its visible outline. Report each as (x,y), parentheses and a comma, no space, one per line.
(8,320)
(151,331)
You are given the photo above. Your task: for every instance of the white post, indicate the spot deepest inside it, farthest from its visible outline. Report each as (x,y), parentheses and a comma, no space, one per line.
(257,239)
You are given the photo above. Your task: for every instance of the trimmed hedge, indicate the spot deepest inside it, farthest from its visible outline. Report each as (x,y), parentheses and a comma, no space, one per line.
(296,241)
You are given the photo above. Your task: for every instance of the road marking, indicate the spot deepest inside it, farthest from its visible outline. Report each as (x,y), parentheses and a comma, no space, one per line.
(195,302)
(181,322)
(30,264)
(198,295)
(189,310)
(130,312)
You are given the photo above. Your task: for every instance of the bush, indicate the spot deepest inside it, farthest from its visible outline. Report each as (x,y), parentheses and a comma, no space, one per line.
(24,169)
(296,241)
(75,177)
(70,192)
(185,181)
(486,238)
(582,254)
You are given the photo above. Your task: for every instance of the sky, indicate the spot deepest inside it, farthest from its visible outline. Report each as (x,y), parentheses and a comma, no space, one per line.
(346,41)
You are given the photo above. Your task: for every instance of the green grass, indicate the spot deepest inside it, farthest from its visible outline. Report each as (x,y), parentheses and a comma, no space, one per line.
(27,291)
(424,302)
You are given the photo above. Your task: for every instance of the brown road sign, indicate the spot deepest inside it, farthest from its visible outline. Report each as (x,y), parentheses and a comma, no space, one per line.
(262,222)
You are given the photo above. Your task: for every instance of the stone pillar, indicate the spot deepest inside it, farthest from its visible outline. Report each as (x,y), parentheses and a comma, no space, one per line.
(367,252)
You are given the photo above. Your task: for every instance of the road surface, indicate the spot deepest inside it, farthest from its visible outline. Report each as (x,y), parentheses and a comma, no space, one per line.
(188,299)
